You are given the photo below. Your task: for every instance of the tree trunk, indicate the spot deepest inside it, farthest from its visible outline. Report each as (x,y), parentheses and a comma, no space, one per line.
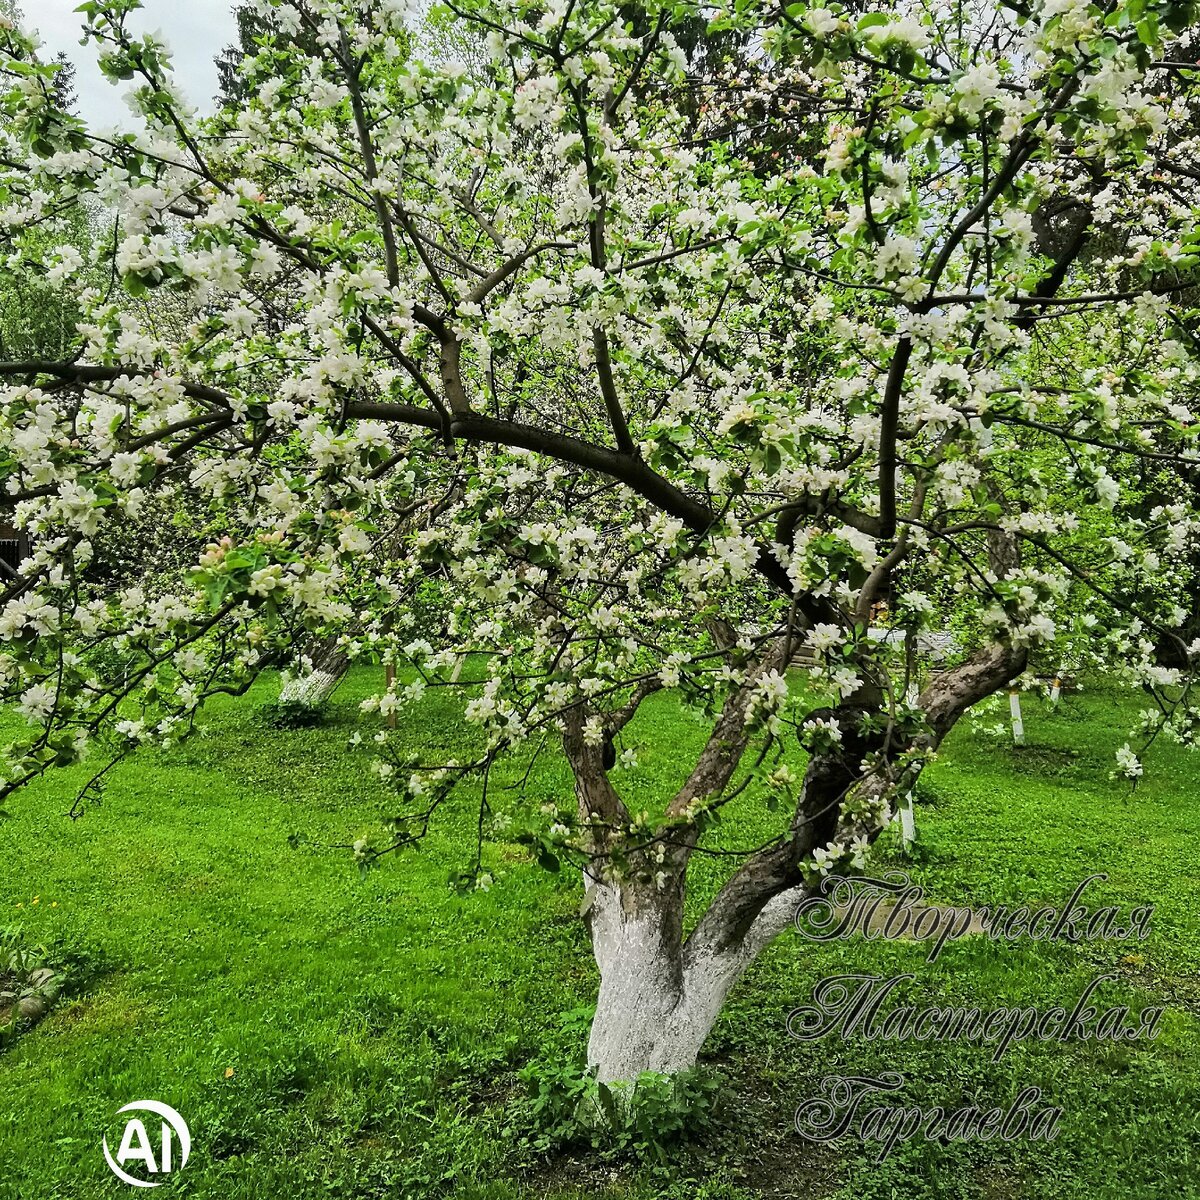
(658,1002)
(659,995)
(319,674)
(640,1020)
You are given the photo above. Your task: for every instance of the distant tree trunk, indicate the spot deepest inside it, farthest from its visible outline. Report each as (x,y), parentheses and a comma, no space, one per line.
(319,673)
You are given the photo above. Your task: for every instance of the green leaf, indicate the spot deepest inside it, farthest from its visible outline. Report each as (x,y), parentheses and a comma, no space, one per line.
(608,1105)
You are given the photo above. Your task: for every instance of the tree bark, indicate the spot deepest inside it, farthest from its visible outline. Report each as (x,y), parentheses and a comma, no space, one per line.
(658,1000)
(319,674)
(657,1004)
(640,1020)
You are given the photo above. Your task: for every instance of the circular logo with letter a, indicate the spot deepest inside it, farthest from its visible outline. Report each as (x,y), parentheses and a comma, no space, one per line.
(150,1147)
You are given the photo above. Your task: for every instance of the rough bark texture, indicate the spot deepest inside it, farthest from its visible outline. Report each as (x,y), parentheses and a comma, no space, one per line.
(309,690)
(657,1001)
(658,1004)
(639,1024)
(321,671)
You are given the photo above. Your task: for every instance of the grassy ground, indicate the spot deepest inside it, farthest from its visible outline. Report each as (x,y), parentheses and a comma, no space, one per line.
(330,1036)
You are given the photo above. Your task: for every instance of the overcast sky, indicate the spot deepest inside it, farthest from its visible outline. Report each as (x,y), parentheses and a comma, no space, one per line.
(195,30)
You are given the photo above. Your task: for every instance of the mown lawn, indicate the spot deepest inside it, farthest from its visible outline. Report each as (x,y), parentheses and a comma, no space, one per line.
(326,1035)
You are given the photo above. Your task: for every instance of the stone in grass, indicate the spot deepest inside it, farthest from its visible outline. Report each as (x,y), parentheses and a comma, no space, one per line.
(40,991)
(34,1007)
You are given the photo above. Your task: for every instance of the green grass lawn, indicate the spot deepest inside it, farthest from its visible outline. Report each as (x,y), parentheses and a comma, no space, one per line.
(326,1035)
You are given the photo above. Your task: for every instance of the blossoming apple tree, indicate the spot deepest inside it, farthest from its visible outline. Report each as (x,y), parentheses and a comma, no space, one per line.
(695,369)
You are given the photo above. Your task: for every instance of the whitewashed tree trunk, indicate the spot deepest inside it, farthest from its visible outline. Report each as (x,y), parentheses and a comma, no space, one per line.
(639,1024)
(310,689)
(657,1005)
(908,827)
(1018,725)
(317,677)
(660,995)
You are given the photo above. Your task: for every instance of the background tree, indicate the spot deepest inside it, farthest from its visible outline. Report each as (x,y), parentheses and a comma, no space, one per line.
(254,26)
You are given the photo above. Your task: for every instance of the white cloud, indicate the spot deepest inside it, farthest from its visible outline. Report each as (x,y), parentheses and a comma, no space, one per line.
(195,30)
